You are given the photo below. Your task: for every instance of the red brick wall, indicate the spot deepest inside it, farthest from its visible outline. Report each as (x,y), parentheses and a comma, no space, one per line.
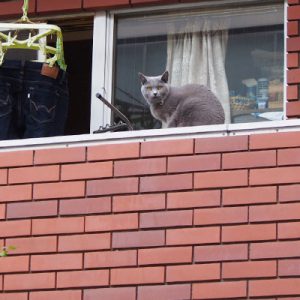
(293,49)
(210,218)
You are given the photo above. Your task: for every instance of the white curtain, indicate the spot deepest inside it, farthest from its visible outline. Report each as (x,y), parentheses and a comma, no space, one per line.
(198,56)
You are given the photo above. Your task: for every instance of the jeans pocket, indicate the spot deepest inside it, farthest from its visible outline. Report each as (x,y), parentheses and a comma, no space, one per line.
(5,100)
(42,104)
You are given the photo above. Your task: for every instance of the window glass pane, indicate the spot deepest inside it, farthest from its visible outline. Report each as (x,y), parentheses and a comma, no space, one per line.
(236,51)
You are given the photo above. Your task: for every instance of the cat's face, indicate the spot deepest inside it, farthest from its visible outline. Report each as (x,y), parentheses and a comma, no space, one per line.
(155,88)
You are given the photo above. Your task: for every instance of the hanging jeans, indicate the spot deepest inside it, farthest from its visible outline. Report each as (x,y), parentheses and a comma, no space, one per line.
(31,104)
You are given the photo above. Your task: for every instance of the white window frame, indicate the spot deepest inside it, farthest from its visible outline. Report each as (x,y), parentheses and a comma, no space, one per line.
(103,54)
(102,82)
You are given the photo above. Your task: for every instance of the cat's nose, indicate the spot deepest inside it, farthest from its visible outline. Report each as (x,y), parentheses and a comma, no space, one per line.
(155,93)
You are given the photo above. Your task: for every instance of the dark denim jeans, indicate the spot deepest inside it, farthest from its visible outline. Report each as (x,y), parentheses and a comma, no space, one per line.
(31,104)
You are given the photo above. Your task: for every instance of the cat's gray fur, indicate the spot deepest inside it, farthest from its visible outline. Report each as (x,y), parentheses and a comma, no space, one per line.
(189,105)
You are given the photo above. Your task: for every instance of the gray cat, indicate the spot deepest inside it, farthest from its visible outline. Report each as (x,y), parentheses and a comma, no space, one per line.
(189,105)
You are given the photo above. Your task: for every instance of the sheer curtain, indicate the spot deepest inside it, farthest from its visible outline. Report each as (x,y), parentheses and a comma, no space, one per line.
(198,56)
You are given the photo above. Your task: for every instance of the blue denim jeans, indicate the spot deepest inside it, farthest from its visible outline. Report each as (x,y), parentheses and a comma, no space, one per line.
(31,104)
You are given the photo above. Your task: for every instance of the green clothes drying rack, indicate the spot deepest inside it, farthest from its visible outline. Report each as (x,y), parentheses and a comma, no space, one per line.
(35,41)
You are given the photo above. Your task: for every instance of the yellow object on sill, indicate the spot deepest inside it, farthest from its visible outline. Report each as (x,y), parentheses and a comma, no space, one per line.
(240,103)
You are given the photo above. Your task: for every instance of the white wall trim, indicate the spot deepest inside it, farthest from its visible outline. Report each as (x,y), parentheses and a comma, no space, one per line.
(152,134)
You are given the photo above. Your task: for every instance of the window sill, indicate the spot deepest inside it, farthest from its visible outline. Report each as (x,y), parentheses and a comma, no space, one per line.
(152,134)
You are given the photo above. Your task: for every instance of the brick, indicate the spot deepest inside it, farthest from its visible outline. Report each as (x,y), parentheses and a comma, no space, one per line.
(291,2)
(14,8)
(83,242)
(290,267)
(82,278)
(140,167)
(57,295)
(274,287)
(293,74)
(36,281)
(221,144)
(166,183)
(221,179)
(293,44)
(57,5)
(289,193)
(113,151)
(194,163)
(59,190)
(292,92)
(12,193)
(166,292)
(139,202)
(109,259)
(221,253)
(293,28)
(166,219)
(111,222)
(198,272)
(13,296)
(169,255)
(2,211)
(104,4)
(193,199)
(289,156)
(166,148)
(33,174)
(60,155)
(275,176)
(15,228)
(146,275)
(87,170)
(275,140)
(56,262)
(222,215)
(138,239)
(111,293)
(294,11)
(57,226)
(293,109)
(3,176)
(289,230)
(275,250)
(253,159)
(33,244)
(190,236)
(112,186)
(249,269)
(252,195)
(219,290)
(279,212)
(85,206)
(293,60)
(32,209)
(15,158)
(14,264)
(259,232)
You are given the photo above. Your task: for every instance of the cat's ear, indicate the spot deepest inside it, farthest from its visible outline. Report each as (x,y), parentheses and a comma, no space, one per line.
(165,77)
(143,78)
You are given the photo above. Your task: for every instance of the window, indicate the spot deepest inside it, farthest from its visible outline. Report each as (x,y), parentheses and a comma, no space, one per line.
(235,50)
(239,55)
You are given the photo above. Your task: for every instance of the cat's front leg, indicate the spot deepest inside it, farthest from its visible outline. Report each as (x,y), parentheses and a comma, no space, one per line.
(164,124)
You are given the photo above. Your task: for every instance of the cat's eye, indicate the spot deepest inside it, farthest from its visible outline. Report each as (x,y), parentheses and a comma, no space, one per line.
(149,88)
(159,87)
